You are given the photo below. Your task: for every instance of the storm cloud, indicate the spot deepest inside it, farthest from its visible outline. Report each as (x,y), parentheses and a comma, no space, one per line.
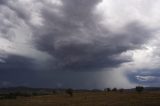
(77,41)
(51,39)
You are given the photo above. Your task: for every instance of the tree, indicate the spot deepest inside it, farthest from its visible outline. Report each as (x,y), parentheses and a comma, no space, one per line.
(139,89)
(114,89)
(69,92)
(121,90)
(107,90)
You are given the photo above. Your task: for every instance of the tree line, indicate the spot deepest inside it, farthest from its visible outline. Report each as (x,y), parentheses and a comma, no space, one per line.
(68,91)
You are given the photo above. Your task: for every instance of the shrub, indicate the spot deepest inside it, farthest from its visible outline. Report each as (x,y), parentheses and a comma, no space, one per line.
(114,89)
(139,89)
(69,92)
(8,96)
(24,94)
(108,89)
(54,92)
(121,90)
(34,94)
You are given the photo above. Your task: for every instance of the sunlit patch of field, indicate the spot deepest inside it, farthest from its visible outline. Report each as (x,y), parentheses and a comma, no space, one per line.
(88,99)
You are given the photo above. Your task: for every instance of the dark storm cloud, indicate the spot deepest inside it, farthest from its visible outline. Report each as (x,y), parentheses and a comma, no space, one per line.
(19,71)
(72,34)
(2,2)
(16,63)
(77,41)
(16,71)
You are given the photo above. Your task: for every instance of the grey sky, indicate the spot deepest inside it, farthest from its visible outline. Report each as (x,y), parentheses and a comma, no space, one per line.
(79,43)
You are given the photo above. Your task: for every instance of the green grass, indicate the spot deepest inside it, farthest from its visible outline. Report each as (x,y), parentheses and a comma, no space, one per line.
(88,99)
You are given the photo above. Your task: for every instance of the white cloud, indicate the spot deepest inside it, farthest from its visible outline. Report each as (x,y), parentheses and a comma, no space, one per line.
(145,78)
(120,12)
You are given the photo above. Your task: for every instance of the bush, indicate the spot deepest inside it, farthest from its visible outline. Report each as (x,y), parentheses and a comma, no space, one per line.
(114,89)
(139,89)
(24,94)
(69,92)
(8,96)
(34,94)
(108,89)
(121,90)
(54,92)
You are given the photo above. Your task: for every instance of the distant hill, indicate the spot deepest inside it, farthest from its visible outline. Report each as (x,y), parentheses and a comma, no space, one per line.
(48,90)
(152,89)
(145,89)
(22,88)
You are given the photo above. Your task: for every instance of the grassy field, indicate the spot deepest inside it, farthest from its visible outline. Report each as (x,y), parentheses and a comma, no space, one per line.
(88,99)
